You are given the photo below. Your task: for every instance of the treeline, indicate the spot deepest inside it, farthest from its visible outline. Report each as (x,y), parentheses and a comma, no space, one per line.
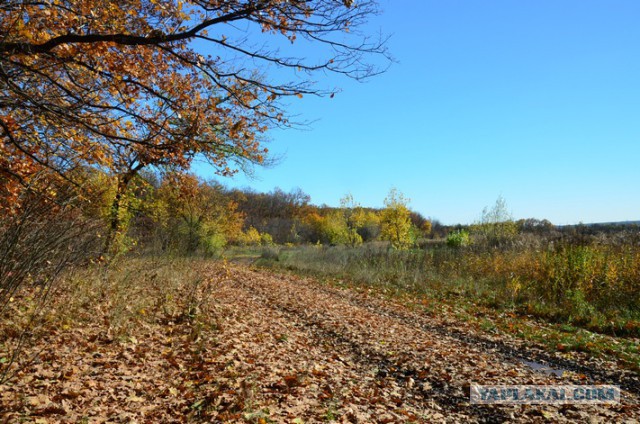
(182,213)
(292,218)
(185,214)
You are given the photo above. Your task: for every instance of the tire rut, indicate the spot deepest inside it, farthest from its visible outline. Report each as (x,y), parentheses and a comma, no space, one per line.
(507,352)
(444,395)
(450,351)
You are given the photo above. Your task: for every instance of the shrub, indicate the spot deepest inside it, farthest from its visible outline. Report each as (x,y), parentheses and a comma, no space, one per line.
(213,244)
(496,226)
(270,253)
(41,239)
(251,237)
(266,239)
(458,239)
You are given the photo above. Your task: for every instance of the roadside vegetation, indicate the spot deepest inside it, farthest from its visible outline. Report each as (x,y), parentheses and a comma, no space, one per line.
(595,287)
(549,296)
(569,289)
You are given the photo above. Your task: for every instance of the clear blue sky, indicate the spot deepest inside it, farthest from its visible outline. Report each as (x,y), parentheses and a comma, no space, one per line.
(537,101)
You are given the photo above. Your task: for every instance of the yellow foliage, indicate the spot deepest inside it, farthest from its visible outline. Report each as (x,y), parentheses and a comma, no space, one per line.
(396,221)
(251,237)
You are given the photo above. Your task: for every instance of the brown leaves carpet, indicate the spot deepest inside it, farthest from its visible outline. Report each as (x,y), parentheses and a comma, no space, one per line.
(281,349)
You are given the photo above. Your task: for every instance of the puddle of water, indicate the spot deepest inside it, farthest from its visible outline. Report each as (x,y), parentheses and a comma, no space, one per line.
(537,366)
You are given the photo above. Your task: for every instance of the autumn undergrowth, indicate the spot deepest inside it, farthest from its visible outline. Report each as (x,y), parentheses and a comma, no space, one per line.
(116,303)
(592,290)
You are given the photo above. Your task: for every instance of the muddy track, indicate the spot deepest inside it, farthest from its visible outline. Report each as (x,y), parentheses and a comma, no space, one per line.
(433,363)
(514,352)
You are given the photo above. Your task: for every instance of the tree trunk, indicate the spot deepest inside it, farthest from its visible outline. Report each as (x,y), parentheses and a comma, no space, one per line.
(115,222)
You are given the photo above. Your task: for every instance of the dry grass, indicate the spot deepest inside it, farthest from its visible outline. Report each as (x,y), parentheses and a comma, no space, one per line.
(118,302)
(596,286)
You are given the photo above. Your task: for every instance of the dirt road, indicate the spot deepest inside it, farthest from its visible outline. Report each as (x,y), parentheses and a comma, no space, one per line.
(317,353)
(286,349)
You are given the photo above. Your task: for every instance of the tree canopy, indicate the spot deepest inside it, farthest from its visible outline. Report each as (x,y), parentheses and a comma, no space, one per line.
(124,85)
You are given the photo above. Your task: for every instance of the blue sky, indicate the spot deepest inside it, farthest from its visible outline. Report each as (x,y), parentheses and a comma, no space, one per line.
(537,101)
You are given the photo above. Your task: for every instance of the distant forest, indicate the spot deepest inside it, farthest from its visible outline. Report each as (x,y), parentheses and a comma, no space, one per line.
(245,216)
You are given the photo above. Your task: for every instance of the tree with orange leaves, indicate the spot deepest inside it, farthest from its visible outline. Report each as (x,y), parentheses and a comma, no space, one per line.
(125,85)
(196,215)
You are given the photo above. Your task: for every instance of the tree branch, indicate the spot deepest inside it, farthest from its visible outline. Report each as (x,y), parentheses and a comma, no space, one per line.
(122,39)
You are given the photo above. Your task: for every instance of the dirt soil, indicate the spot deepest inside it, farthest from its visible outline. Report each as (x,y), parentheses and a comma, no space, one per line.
(294,350)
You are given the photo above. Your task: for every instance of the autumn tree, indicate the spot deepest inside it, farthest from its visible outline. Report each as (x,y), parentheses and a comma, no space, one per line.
(121,86)
(195,215)
(369,229)
(353,217)
(333,229)
(340,226)
(396,220)
(427,227)
(279,213)
(251,237)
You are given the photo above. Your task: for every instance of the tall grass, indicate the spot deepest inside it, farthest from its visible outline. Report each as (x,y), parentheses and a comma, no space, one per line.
(596,286)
